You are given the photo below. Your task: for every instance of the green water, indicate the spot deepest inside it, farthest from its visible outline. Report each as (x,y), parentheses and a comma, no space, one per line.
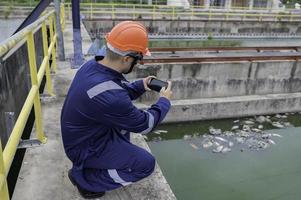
(273,173)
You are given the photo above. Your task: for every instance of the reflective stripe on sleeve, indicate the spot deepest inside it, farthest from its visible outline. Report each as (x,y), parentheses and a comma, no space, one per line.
(150,123)
(103,87)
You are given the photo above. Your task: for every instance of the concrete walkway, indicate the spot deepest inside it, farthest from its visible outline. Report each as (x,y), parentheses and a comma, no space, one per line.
(43,175)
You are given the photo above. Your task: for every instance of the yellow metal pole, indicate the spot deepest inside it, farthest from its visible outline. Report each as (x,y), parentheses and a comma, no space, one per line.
(34,82)
(63,17)
(3,183)
(51,28)
(173,13)
(113,12)
(91,9)
(47,70)
(134,12)
(69,11)
(154,11)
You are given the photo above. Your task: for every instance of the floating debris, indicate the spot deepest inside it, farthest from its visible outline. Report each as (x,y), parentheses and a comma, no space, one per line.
(261,119)
(276,135)
(234,128)
(287,124)
(236,121)
(218,149)
(248,122)
(194,146)
(277,124)
(221,139)
(158,132)
(207,144)
(260,126)
(187,137)
(226,150)
(214,131)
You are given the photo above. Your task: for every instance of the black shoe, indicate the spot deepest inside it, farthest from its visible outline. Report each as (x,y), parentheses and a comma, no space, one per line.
(85,193)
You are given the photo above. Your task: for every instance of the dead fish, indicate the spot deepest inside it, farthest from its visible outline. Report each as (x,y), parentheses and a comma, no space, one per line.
(226,149)
(228,133)
(145,137)
(270,141)
(234,128)
(236,121)
(161,131)
(287,124)
(194,146)
(214,131)
(187,137)
(240,140)
(216,143)
(221,139)
(256,130)
(248,122)
(278,116)
(217,149)
(207,145)
(157,132)
(262,144)
(231,144)
(260,119)
(276,135)
(266,135)
(277,124)
(260,126)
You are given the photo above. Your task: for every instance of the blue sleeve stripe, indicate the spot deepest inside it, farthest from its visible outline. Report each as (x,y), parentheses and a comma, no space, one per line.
(103,87)
(150,124)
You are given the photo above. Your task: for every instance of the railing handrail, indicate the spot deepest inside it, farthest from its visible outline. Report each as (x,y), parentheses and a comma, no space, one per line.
(87,4)
(12,41)
(33,97)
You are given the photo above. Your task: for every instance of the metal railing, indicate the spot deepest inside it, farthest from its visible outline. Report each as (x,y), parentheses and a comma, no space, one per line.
(136,11)
(33,98)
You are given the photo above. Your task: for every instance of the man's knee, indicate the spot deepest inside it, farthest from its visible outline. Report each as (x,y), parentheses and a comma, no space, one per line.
(146,164)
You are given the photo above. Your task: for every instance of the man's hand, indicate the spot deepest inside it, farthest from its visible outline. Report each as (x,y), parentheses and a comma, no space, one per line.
(146,81)
(166,92)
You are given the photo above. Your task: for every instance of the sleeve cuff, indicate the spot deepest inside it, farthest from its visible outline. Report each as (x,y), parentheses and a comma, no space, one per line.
(140,86)
(164,101)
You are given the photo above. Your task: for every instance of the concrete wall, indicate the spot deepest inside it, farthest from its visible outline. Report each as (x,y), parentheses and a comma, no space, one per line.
(98,27)
(208,80)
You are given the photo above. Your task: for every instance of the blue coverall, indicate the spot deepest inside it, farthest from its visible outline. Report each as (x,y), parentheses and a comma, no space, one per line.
(96,119)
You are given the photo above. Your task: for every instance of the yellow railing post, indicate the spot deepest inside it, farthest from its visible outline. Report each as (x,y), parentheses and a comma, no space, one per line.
(173,13)
(154,11)
(291,17)
(46,57)
(3,183)
(34,82)
(63,20)
(134,12)
(192,12)
(69,11)
(91,9)
(51,30)
(113,12)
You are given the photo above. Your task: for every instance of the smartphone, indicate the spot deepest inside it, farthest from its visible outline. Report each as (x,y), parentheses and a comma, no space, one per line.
(156,84)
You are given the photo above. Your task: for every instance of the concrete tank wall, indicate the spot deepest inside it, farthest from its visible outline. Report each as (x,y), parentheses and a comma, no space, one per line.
(208,80)
(98,27)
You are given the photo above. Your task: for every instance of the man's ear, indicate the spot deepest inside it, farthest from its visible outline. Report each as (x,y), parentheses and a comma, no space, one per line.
(127,58)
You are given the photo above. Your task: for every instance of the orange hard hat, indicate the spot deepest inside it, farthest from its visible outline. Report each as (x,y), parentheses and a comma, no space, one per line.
(129,36)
